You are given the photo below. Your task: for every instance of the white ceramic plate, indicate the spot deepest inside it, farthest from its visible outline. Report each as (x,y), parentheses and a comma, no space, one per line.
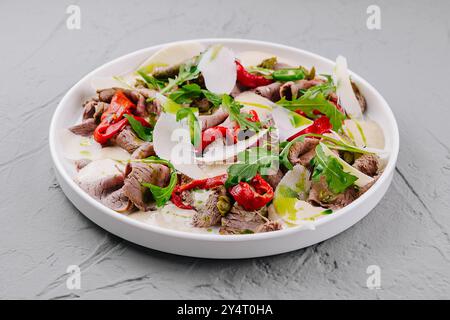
(211,245)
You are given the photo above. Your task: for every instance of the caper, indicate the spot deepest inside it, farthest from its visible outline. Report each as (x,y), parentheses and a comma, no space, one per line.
(348,157)
(223,205)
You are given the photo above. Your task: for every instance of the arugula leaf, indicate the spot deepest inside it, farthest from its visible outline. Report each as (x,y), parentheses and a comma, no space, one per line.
(330,168)
(315,100)
(151,81)
(188,71)
(194,125)
(188,92)
(284,160)
(215,99)
(234,110)
(161,194)
(144,133)
(251,162)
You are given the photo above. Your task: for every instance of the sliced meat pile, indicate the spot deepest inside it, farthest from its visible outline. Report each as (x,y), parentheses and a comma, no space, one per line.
(320,195)
(136,173)
(210,214)
(240,221)
(301,152)
(367,164)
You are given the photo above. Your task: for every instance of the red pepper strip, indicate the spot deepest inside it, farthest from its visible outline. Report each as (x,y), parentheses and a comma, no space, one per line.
(253,116)
(213,133)
(320,126)
(176,199)
(249,80)
(195,184)
(106,131)
(254,195)
(119,105)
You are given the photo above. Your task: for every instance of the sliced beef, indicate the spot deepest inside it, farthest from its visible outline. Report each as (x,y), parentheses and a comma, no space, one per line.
(85,129)
(89,108)
(303,151)
(94,109)
(166,72)
(362,101)
(367,164)
(320,195)
(128,140)
(105,95)
(209,214)
(240,221)
(137,173)
(144,151)
(141,107)
(271,91)
(81,163)
(291,89)
(103,186)
(274,179)
(118,201)
(269,226)
(214,119)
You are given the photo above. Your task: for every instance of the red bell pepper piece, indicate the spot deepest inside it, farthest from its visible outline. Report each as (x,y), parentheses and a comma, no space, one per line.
(320,126)
(120,105)
(211,134)
(248,79)
(208,183)
(253,195)
(106,131)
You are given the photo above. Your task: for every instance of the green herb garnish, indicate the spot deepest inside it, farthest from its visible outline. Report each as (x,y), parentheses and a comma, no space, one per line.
(188,71)
(188,92)
(251,162)
(311,101)
(152,82)
(144,133)
(234,110)
(330,168)
(193,123)
(161,194)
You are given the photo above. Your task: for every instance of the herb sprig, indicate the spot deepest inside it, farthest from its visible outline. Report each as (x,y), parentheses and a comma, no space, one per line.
(234,110)
(161,195)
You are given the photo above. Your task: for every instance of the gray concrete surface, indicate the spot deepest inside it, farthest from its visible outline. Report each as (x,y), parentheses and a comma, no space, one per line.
(407,235)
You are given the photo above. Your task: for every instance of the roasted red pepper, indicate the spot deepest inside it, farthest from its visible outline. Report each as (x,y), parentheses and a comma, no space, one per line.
(253,195)
(106,131)
(211,134)
(248,79)
(320,126)
(112,121)
(120,105)
(208,183)
(253,116)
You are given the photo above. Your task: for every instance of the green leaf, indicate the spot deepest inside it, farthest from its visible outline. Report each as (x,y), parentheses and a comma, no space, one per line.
(193,123)
(215,99)
(311,101)
(285,152)
(186,93)
(144,133)
(330,168)
(187,72)
(251,162)
(151,81)
(161,195)
(234,110)
(315,100)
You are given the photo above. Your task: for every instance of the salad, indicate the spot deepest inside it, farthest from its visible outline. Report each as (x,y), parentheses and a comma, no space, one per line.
(205,139)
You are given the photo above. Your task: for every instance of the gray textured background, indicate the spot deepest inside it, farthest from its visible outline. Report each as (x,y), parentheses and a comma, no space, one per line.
(407,235)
